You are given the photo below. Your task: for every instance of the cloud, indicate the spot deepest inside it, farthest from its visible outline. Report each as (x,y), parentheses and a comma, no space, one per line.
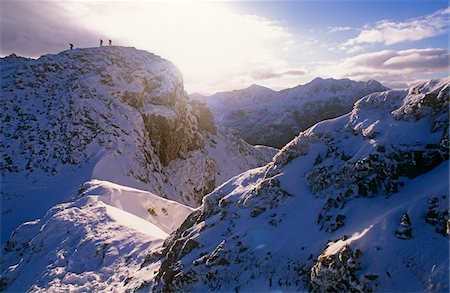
(294,72)
(389,32)
(265,74)
(31,29)
(404,61)
(391,67)
(335,29)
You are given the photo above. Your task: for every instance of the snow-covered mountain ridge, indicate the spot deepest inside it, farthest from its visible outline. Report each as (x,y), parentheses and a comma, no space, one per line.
(357,203)
(96,242)
(109,113)
(264,116)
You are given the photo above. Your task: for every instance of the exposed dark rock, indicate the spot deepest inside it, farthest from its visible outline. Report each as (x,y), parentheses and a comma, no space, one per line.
(189,246)
(404,230)
(204,117)
(170,136)
(437,214)
(337,272)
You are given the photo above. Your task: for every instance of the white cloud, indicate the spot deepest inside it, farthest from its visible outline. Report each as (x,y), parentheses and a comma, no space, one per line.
(391,32)
(269,74)
(335,29)
(389,66)
(32,29)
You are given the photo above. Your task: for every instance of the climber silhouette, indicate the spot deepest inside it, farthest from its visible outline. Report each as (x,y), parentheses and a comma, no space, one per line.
(110,43)
(71,46)
(101,42)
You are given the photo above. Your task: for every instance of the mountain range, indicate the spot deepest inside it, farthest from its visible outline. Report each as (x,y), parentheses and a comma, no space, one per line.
(266,117)
(114,180)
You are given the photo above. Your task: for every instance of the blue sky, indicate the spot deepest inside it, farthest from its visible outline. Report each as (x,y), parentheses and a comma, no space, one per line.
(343,13)
(300,16)
(227,45)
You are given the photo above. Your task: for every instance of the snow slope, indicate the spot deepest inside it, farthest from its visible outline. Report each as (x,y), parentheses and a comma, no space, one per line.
(357,203)
(108,113)
(97,241)
(263,116)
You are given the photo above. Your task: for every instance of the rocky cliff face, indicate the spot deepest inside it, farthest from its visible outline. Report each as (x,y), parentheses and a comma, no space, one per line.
(111,113)
(263,116)
(345,206)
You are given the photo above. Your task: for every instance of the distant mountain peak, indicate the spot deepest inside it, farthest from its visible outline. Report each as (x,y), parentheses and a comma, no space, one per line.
(318,79)
(268,117)
(257,86)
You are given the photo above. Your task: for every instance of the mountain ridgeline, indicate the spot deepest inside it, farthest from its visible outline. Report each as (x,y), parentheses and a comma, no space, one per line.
(266,117)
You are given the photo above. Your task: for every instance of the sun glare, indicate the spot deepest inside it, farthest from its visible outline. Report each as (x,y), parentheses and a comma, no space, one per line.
(214,46)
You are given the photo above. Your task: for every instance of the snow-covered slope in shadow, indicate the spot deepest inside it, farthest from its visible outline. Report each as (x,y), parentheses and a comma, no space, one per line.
(98,241)
(357,203)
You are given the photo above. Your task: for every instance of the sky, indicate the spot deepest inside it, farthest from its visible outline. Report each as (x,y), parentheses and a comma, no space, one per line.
(221,46)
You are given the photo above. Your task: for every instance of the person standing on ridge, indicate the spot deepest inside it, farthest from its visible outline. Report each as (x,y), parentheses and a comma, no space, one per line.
(71,46)
(101,42)
(110,43)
